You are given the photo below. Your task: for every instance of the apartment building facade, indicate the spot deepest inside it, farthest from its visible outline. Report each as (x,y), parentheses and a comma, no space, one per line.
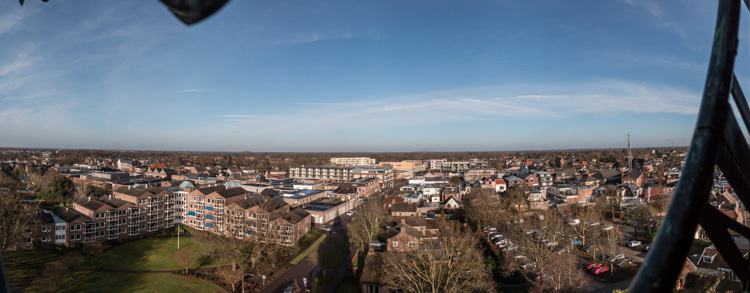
(355,161)
(324,173)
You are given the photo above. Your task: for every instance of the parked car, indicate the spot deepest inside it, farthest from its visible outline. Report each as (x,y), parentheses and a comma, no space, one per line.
(634,243)
(588,248)
(528,265)
(349,213)
(599,270)
(375,244)
(592,265)
(647,247)
(616,257)
(575,241)
(289,289)
(501,243)
(520,256)
(575,222)
(608,227)
(510,247)
(622,261)
(546,277)
(561,250)
(496,237)
(324,228)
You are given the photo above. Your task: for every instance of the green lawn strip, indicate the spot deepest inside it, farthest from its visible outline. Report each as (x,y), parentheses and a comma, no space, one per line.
(307,251)
(126,282)
(155,254)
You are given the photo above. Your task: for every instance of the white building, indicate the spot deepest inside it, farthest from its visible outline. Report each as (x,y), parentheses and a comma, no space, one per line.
(353,161)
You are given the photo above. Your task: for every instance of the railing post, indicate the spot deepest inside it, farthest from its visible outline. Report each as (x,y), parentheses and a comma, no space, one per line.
(664,263)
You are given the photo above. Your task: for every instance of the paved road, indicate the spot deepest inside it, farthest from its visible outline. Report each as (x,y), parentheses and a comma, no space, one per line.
(308,268)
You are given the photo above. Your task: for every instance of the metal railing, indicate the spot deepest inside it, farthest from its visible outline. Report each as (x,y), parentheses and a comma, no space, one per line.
(717,140)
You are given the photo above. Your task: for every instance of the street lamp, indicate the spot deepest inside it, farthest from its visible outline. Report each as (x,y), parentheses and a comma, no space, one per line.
(243,281)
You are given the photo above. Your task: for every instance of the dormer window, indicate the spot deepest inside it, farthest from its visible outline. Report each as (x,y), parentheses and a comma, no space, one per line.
(709,258)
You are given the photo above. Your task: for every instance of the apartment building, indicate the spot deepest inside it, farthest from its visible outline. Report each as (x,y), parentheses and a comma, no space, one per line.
(356,161)
(205,207)
(384,174)
(152,210)
(270,218)
(324,173)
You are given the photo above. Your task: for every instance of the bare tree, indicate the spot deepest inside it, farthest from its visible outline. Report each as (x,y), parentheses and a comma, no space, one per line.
(563,274)
(450,263)
(184,257)
(232,276)
(93,250)
(612,246)
(72,260)
(589,219)
(54,272)
(367,224)
(536,239)
(15,219)
(82,190)
(483,206)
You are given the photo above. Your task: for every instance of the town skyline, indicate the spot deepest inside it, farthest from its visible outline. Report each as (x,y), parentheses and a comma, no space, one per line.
(353,77)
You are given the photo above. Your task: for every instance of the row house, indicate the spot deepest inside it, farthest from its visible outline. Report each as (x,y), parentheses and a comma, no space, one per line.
(162,173)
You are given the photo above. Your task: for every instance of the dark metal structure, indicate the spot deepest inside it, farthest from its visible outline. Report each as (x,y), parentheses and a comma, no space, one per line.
(717,141)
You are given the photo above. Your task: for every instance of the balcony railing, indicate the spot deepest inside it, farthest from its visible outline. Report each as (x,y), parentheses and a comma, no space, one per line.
(717,140)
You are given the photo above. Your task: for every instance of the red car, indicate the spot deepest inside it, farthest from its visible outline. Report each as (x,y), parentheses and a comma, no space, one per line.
(593,265)
(599,270)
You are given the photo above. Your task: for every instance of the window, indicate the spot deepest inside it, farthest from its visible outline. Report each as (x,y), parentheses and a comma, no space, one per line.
(44,228)
(708,258)
(394,243)
(412,244)
(28,240)
(72,237)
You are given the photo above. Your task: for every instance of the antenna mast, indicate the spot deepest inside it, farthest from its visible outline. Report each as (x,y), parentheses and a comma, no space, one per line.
(630,154)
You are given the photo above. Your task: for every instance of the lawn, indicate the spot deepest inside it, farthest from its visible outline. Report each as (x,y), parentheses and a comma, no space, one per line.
(84,281)
(22,267)
(154,254)
(24,270)
(307,251)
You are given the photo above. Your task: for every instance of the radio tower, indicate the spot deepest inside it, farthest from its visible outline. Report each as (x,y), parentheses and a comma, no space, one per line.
(630,154)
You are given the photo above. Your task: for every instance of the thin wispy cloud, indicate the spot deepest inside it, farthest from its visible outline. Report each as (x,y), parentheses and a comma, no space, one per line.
(12,21)
(303,38)
(322,104)
(190,90)
(241,116)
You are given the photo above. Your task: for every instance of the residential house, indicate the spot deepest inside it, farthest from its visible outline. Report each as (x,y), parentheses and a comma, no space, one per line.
(403,209)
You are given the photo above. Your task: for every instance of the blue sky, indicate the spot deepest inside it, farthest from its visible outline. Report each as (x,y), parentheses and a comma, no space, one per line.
(356,75)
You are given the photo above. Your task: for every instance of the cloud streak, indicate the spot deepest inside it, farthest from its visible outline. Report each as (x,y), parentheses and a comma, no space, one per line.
(190,91)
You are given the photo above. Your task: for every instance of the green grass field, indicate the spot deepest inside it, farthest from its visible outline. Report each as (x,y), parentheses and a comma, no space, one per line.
(123,282)
(24,270)
(151,255)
